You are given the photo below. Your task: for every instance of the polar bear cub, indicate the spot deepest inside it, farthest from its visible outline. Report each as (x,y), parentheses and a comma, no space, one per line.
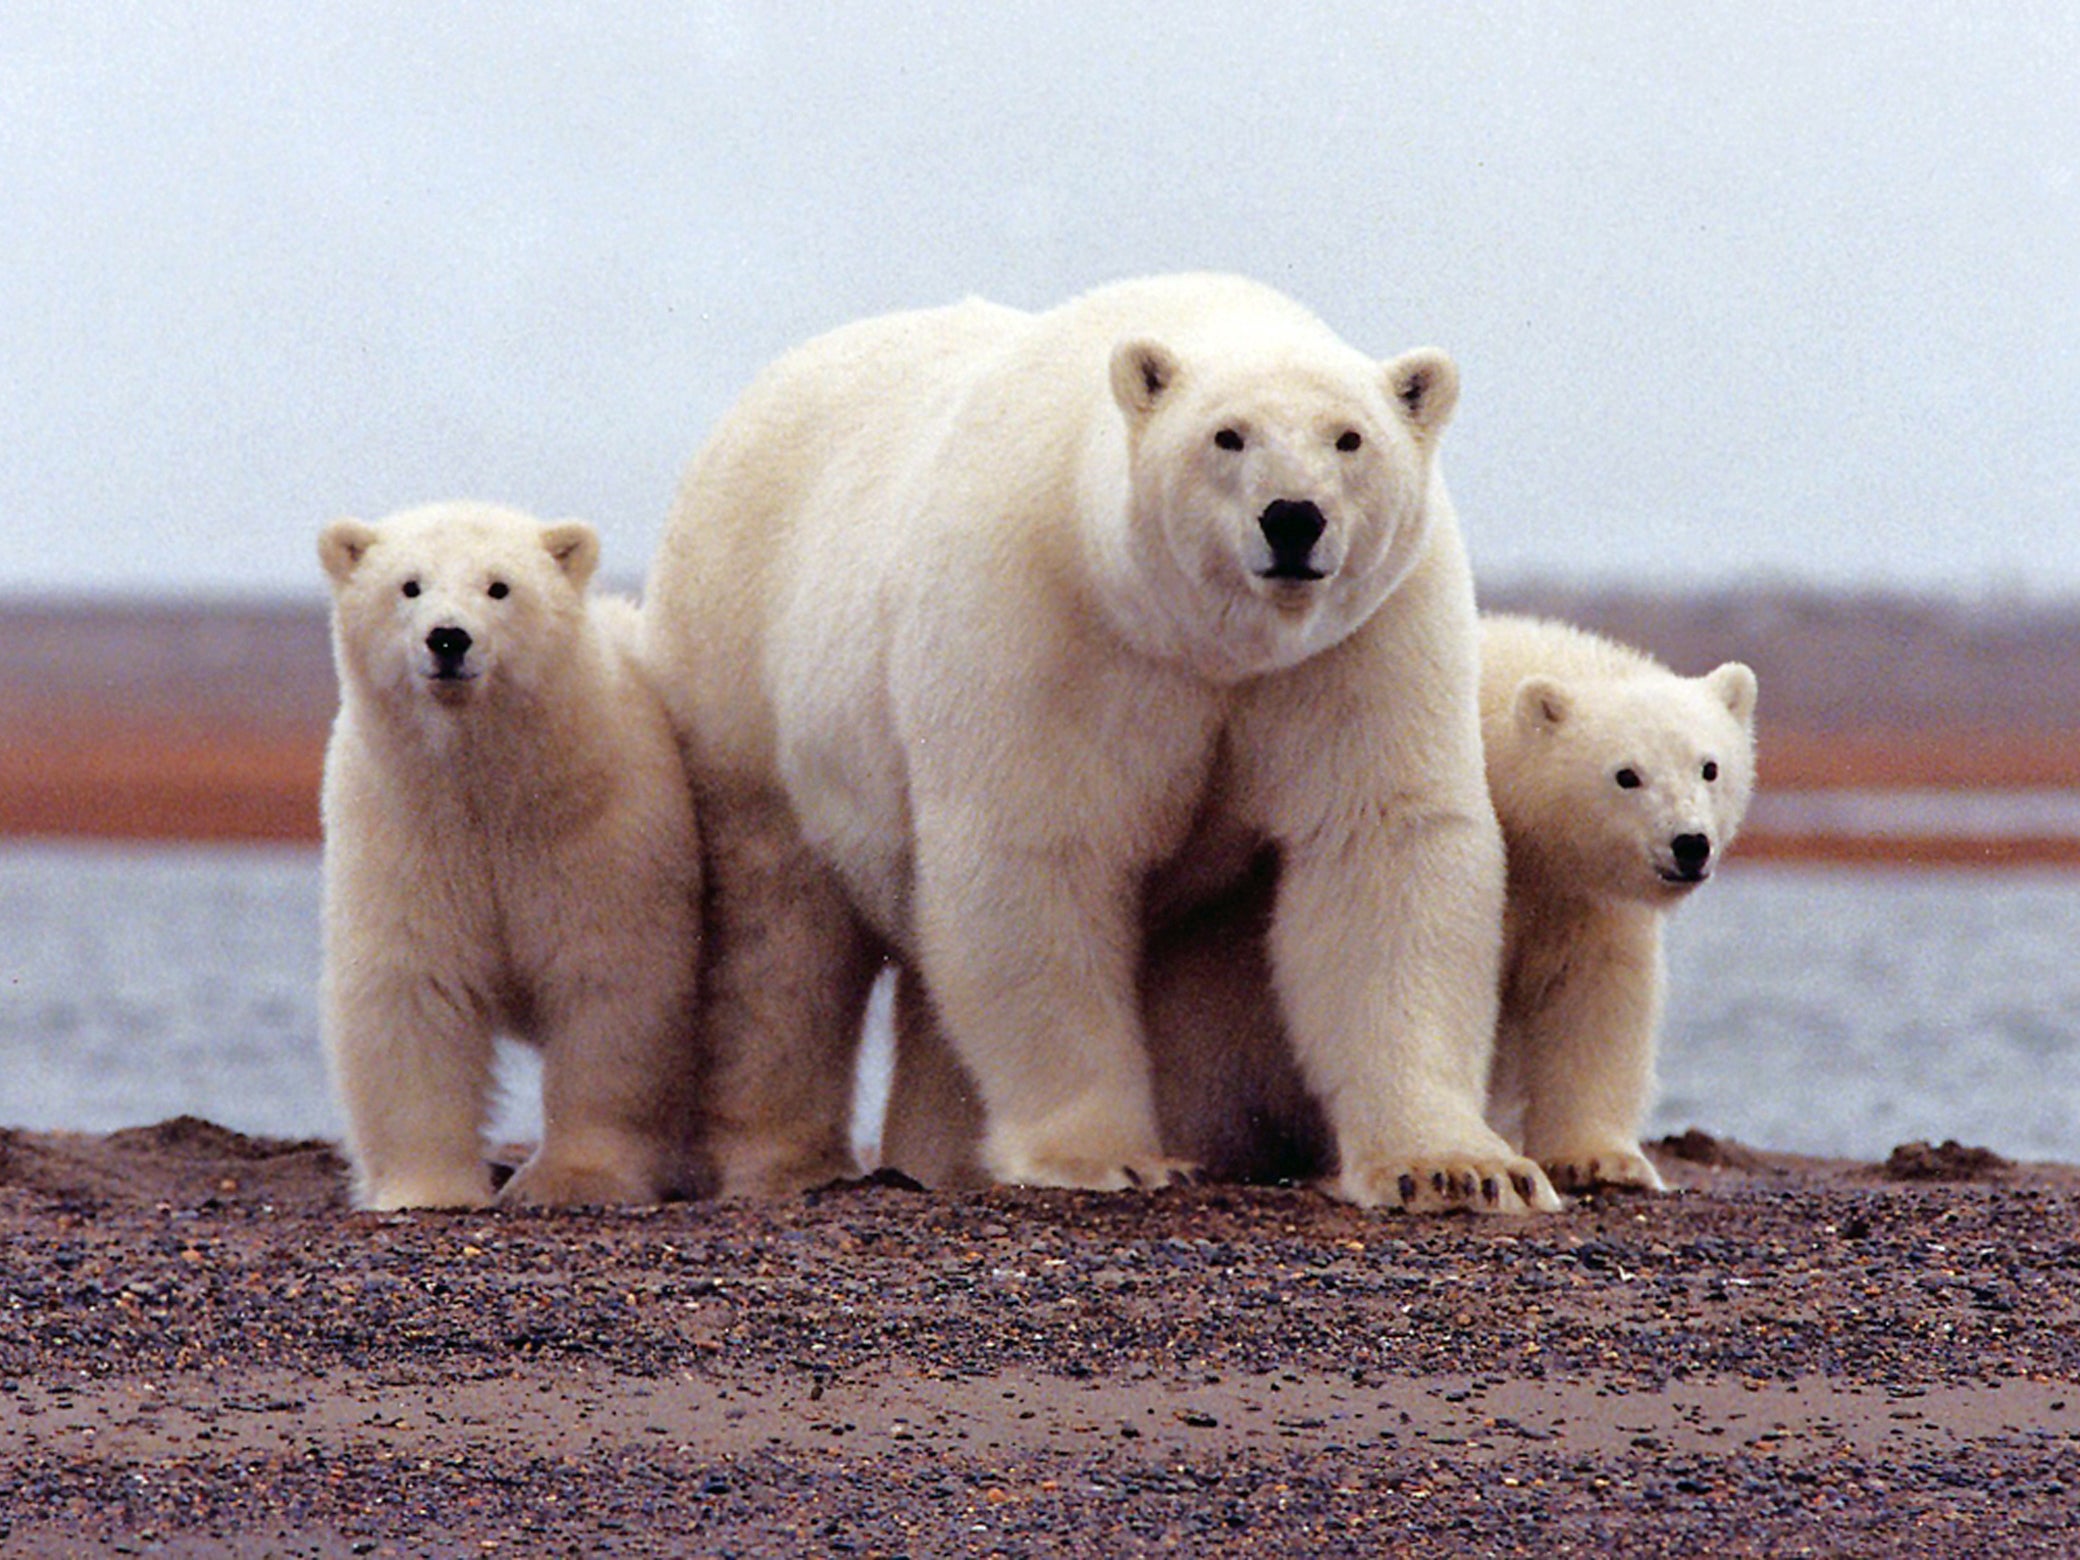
(509,850)
(985,630)
(1619,785)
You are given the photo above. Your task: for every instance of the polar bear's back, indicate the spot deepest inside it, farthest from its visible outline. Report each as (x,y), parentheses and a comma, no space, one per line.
(798,470)
(826,412)
(1515,647)
(1178,309)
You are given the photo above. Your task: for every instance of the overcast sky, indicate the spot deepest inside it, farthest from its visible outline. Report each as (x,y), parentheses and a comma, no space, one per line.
(1775,289)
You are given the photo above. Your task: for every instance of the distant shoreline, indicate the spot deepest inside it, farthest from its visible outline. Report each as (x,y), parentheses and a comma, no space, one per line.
(199,721)
(145,784)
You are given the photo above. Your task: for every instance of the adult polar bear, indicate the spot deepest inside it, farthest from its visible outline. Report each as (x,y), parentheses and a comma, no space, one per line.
(985,631)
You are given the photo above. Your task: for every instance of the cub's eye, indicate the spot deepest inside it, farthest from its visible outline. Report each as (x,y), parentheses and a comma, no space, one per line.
(1710,771)
(410,589)
(1228,439)
(1350,440)
(1628,779)
(499,590)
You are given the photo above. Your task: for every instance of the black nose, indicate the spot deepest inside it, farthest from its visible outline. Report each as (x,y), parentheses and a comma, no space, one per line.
(1691,851)
(1292,527)
(448,644)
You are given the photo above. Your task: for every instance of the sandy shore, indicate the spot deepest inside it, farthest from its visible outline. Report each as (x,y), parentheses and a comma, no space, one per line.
(202,1351)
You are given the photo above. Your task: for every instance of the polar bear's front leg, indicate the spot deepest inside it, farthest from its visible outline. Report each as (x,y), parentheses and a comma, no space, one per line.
(1583,1048)
(411,1059)
(1030,958)
(933,1129)
(618,1075)
(1385,947)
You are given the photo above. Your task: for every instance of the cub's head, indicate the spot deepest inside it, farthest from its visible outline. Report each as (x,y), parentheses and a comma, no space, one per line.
(456,604)
(1632,787)
(1280,486)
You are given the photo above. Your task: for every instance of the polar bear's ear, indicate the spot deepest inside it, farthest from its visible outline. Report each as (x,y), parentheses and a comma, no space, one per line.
(1142,372)
(342,545)
(575,547)
(1425,385)
(1734,685)
(1543,704)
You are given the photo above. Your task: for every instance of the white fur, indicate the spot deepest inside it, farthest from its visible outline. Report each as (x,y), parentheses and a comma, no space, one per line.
(979,644)
(509,850)
(1594,865)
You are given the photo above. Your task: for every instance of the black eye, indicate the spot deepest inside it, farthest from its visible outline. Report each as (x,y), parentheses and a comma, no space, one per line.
(1350,440)
(410,589)
(499,590)
(1711,770)
(1228,439)
(1628,779)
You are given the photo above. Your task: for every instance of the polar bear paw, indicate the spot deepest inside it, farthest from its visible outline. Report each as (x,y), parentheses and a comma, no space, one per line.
(1096,1173)
(1446,1184)
(1603,1165)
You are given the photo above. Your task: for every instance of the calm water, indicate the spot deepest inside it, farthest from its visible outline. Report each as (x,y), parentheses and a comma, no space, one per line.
(1829,1011)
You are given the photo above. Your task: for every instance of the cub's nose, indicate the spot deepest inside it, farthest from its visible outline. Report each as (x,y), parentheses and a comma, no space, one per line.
(448,644)
(1693,852)
(1291,527)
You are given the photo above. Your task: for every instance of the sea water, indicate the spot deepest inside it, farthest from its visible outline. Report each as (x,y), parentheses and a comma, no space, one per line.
(1820,1010)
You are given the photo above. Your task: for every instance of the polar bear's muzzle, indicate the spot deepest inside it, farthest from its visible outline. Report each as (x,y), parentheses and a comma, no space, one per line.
(448,650)
(1292,527)
(1690,857)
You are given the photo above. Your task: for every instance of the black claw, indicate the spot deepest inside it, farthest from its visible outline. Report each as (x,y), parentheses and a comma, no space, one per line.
(1408,1188)
(1523,1185)
(1437,1182)
(1133,1175)
(1490,1192)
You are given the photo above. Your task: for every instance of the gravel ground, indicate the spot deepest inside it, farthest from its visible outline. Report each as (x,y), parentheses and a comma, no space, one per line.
(203,1352)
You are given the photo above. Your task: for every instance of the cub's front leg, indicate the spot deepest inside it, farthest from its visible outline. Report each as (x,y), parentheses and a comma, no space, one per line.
(1578,1031)
(412,1064)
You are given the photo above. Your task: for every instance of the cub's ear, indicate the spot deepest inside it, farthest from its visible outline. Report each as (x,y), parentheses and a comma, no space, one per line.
(1424,384)
(1735,687)
(1543,704)
(1142,374)
(575,547)
(342,545)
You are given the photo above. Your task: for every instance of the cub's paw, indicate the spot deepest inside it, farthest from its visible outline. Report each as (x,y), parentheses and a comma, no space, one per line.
(1447,1184)
(459,1188)
(1604,1165)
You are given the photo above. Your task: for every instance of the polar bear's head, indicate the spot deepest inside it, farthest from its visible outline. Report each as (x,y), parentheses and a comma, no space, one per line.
(456,604)
(1287,480)
(1630,787)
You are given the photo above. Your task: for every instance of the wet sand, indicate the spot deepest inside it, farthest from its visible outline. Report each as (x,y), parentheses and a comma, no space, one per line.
(203,1351)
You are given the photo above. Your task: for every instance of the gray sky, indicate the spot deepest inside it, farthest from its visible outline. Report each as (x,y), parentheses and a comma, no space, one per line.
(1770,289)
